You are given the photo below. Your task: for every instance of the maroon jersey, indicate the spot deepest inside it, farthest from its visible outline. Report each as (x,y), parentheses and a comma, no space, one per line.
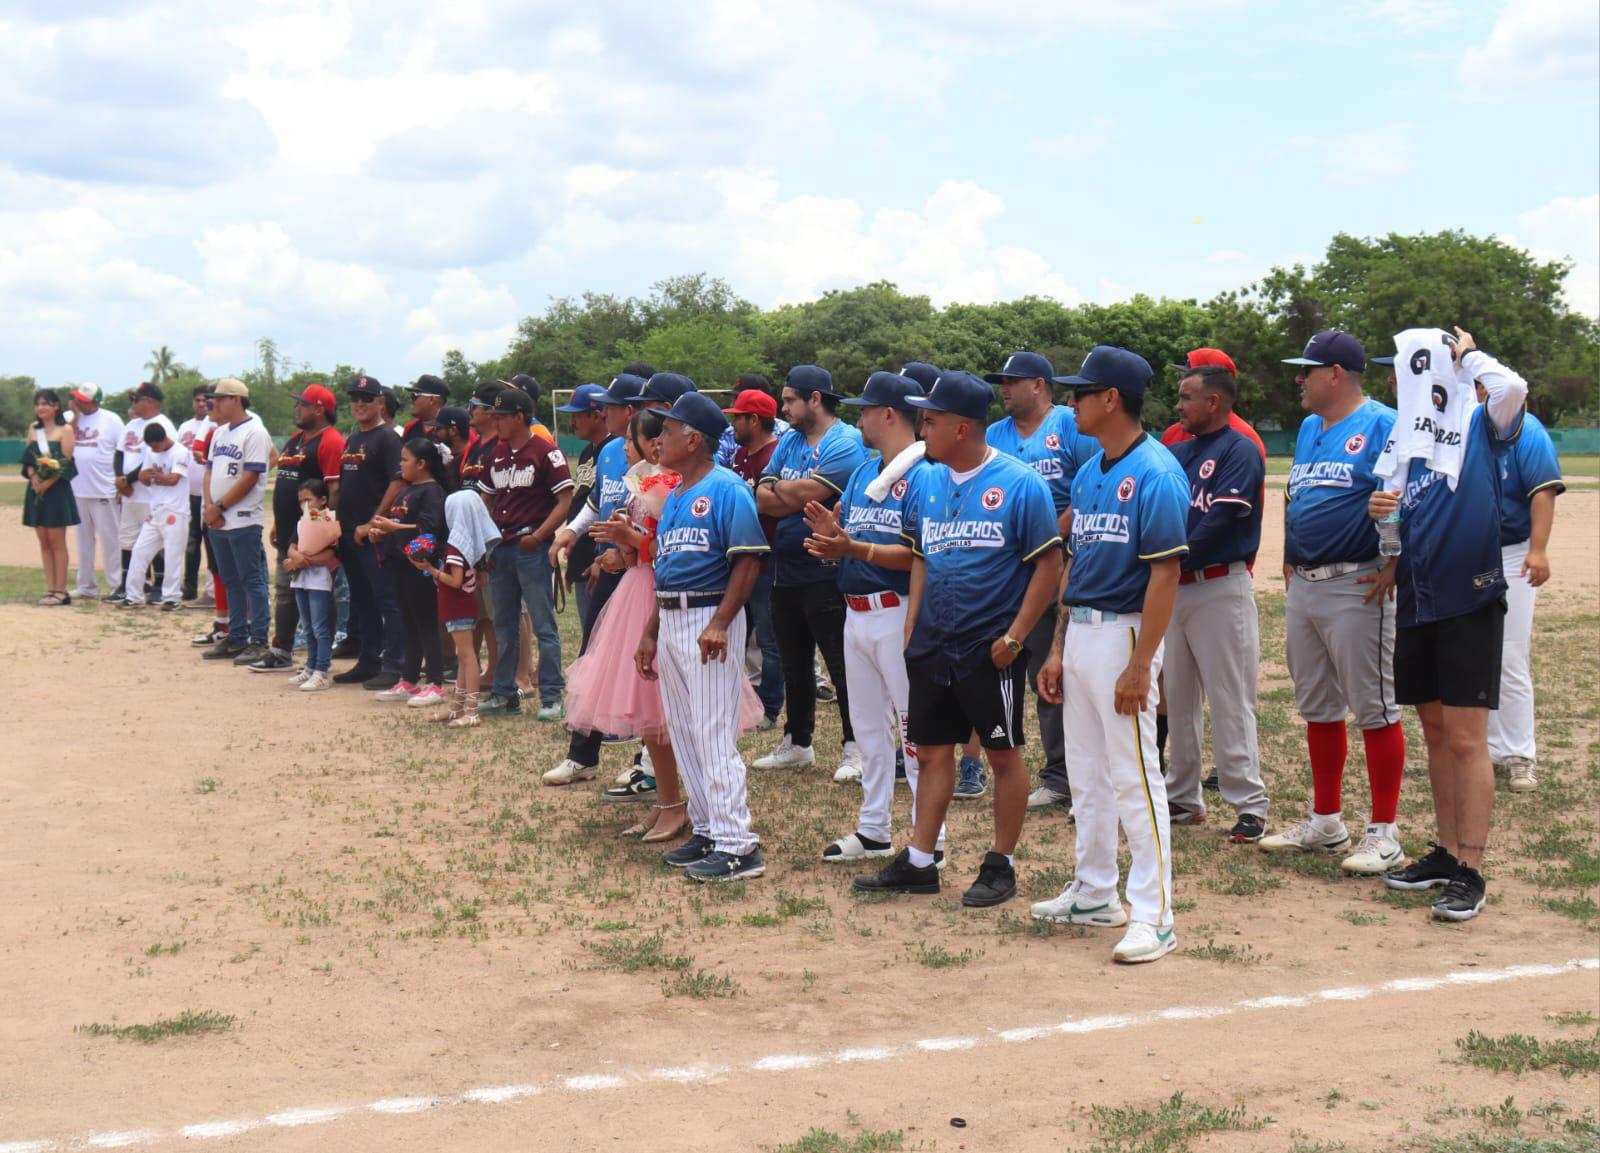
(524,484)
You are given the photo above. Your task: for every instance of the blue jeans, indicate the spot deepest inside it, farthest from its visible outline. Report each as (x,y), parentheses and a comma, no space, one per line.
(243,567)
(374,605)
(522,577)
(759,607)
(316,612)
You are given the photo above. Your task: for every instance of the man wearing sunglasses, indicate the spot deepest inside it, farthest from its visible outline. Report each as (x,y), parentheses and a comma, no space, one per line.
(369,480)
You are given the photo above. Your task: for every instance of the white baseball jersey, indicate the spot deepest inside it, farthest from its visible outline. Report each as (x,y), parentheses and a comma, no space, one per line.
(235,450)
(98,437)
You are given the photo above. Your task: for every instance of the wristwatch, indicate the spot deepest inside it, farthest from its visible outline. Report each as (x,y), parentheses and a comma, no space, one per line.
(1013,645)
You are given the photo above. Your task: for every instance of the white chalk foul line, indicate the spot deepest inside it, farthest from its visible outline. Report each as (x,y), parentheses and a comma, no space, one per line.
(787,1062)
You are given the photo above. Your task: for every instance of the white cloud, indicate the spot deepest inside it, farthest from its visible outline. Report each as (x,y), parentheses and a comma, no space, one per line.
(257,263)
(463,313)
(1413,15)
(1567,228)
(1537,42)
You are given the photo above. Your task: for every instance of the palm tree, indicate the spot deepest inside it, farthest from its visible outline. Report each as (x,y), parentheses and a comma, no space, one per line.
(162,364)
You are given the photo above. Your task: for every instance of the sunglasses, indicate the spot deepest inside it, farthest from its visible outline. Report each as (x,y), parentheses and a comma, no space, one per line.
(1079,391)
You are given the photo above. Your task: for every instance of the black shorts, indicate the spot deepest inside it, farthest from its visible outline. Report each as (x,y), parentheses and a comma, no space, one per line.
(1455,662)
(986,701)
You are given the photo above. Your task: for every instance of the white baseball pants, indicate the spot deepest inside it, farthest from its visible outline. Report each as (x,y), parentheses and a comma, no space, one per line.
(165,531)
(702,707)
(1113,770)
(1511,725)
(130,520)
(97,521)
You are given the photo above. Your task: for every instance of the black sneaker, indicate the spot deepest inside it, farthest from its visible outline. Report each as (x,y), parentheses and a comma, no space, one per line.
(224,650)
(170,606)
(720,866)
(1463,898)
(378,682)
(346,649)
(641,786)
(996,883)
(900,876)
(251,653)
(1211,782)
(356,674)
(117,597)
(826,693)
(1435,869)
(1247,830)
(696,848)
(273,662)
(210,637)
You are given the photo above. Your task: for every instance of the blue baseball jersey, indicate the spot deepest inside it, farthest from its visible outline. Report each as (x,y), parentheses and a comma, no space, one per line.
(1225,472)
(1528,465)
(1329,483)
(609,492)
(832,460)
(1055,451)
(1126,514)
(978,540)
(702,529)
(876,522)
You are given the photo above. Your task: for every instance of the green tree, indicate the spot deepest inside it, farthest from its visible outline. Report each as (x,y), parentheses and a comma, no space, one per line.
(852,333)
(163,366)
(708,349)
(16,404)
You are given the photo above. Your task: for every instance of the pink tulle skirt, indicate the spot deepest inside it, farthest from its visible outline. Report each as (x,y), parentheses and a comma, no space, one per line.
(606,694)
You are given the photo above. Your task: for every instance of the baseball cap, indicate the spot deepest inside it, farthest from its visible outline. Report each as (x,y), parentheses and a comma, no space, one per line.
(888,390)
(585,398)
(453,416)
(1333,347)
(959,392)
(151,389)
(364,386)
(528,385)
(231,386)
(810,378)
(1022,366)
(667,387)
(625,388)
(513,402)
(922,372)
(88,393)
(1204,357)
(754,402)
(698,411)
(430,386)
(319,397)
(483,396)
(1384,360)
(1107,367)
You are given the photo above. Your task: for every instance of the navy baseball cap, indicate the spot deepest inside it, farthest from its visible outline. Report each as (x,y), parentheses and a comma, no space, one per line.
(528,385)
(585,398)
(1108,366)
(1023,366)
(1384,360)
(625,388)
(959,392)
(886,390)
(696,410)
(810,378)
(666,388)
(483,396)
(364,386)
(452,416)
(430,386)
(1333,347)
(922,372)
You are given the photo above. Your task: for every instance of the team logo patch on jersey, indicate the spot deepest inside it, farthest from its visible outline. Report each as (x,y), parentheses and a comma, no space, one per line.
(1125,489)
(1052,441)
(701,506)
(1356,443)
(1207,468)
(899,489)
(993,498)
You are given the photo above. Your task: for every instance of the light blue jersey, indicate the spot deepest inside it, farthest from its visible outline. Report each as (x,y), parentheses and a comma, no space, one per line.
(1528,465)
(1126,514)
(1055,451)
(832,460)
(879,523)
(702,530)
(609,493)
(1329,483)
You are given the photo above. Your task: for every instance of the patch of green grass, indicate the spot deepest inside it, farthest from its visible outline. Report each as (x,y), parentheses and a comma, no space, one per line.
(700,984)
(938,957)
(1356,917)
(1505,1115)
(1576,1017)
(761,920)
(1516,1053)
(1584,910)
(188,1023)
(1224,954)
(1170,1127)
(207,785)
(637,954)
(826,1141)
(1504,1143)
(158,949)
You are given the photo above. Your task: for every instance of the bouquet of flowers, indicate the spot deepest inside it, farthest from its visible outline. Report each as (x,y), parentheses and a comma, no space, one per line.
(651,483)
(47,467)
(420,547)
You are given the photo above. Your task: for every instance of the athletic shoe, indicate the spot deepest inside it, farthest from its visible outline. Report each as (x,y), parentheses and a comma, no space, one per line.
(850,764)
(641,786)
(1044,797)
(767,723)
(569,771)
(1435,869)
(1376,853)
(855,847)
(787,755)
(506,706)
(1144,942)
(300,677)
(356,674)
(720,866)
(1070,909)
(1305,838)
(170,606)
(346,649)
(224,649)
(996,883)
(116,598)
(1521,779)
(381,682)
(399,693)
(210,637)
(826,693)
(1247,830)
(1211,782)
(250,654)
(1463,896)
(686,854)
(425,696)
(900,876)
(626,774)
(550,712)
(972,782)
(125,603)
(273,662)
(316,682)
(1177,816)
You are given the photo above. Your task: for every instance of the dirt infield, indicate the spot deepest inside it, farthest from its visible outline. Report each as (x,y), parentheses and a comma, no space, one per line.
(388,916)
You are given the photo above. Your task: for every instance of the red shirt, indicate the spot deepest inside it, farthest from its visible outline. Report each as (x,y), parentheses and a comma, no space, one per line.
(1176,435)
(524,483)
(750,467)
(462,603)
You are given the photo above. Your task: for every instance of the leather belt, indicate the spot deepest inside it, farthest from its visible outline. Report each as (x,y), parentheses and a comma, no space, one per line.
(1211,572)
(687,600)
(1323,572)
(863,604)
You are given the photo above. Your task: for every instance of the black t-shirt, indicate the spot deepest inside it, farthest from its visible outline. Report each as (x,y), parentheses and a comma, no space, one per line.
(423,506)
(583,552)
(476,461)
(302,458)
(371,461)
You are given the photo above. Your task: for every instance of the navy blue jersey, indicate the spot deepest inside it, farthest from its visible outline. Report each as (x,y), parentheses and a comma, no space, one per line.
(1055,451)
(876,522)
(1126,514)
(1225,472)
(702,529)
(1329,483)
(831,460)
(978,541)
(1528,464)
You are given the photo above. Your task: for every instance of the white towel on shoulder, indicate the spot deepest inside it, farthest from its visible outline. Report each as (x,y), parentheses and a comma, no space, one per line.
(1435,400)
(897,468)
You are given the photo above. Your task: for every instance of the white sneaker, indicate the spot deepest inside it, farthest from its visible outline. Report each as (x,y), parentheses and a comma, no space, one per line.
(1068,909)
(1520,776)
(1376,853)
(426,696)
(570,770)
(787,755)
(300,677)
(850,764)
(1044,797)
(1306,838)
(402,692)
(316,682)
(1144,942)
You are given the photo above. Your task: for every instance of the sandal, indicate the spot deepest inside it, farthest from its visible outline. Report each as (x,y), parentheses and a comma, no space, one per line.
(644,825)
(656,832)
(50,600)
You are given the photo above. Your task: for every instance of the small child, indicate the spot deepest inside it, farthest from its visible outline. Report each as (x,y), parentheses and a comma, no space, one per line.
(312,559)
(472,533)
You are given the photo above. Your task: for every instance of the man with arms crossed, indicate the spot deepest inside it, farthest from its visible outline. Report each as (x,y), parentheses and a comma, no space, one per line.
(98,439)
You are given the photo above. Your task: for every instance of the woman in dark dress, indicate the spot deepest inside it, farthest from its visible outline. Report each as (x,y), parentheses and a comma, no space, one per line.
(49,507)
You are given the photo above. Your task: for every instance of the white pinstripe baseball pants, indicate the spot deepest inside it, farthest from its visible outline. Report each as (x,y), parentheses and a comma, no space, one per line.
(702,706)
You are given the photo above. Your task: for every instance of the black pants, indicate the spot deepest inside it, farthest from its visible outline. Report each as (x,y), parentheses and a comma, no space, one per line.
(807,618)
(285,609)
(419,615)
(191,555)
(585,747)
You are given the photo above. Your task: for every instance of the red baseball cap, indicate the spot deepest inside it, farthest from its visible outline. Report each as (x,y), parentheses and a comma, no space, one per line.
(755,402)
(320,397)
(1201,357)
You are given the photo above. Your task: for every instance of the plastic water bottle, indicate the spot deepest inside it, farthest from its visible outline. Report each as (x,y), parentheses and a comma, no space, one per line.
(1389,534)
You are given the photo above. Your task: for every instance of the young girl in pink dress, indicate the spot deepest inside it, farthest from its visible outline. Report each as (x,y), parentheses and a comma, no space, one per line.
(605,693)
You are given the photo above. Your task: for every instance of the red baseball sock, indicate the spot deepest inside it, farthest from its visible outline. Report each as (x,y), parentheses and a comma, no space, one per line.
(1386,763)
(1329,746)
(220,594)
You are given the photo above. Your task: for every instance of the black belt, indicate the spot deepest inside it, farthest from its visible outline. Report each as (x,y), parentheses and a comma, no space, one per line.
(687,600)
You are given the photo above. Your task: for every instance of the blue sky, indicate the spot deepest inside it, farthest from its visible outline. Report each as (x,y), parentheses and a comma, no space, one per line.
(378,182)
